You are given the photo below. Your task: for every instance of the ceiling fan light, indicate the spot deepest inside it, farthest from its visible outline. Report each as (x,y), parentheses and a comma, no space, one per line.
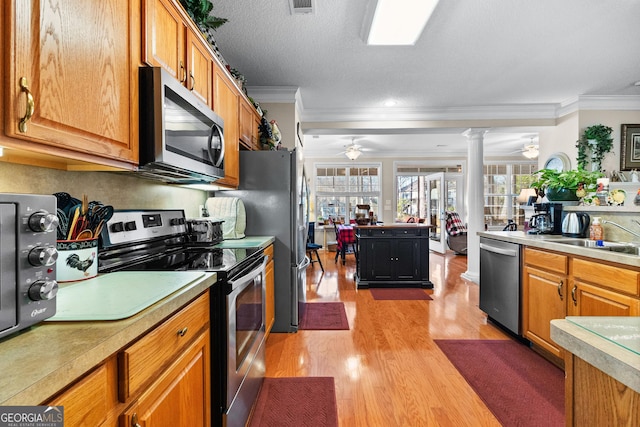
(531,153)
(353,153)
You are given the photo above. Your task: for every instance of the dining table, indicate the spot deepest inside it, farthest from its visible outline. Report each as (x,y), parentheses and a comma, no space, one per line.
(345,236)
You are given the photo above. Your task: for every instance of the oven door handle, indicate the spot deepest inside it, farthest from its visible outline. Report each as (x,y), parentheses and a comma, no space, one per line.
(234,284)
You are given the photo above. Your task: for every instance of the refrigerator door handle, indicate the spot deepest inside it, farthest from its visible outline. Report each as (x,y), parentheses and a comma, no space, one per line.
(305,263)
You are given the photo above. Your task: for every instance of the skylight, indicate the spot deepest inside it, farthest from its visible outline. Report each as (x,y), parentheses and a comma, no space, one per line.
(399,22)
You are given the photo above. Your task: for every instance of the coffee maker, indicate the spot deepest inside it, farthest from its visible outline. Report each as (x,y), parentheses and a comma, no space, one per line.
(547,218)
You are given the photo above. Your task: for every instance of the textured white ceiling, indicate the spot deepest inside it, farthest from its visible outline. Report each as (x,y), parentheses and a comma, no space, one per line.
(474,59)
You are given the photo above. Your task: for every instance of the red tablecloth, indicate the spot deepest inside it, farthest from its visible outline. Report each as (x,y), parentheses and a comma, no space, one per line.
(345,236)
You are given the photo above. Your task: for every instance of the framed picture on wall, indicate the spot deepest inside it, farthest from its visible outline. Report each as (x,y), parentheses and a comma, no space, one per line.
(630,147)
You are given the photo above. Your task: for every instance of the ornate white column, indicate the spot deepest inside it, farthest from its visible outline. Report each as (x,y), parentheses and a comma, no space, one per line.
(475,200)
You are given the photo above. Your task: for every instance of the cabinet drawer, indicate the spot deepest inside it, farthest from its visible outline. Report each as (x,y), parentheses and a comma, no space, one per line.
(549,261)
(608,276)
(90,400)
(141,362)
(408,232)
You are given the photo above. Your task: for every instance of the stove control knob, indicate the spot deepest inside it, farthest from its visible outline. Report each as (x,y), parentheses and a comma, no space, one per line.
(43,221)
(43,290)
(117,227)
(43,256)
(130,226)
(177,221)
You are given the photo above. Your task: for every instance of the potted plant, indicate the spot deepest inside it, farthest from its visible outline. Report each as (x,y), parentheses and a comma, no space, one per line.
(562,186)
(200,12)
(595,142)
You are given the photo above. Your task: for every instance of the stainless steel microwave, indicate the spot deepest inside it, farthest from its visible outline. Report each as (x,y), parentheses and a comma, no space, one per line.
(181,138)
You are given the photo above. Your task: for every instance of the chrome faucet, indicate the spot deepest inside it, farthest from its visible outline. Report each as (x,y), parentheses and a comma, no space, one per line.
(604,221)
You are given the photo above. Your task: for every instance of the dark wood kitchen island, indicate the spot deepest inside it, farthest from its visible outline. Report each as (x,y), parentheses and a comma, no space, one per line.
(394,255)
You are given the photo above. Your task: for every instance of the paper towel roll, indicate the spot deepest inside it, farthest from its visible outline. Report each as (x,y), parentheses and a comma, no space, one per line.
(231,211)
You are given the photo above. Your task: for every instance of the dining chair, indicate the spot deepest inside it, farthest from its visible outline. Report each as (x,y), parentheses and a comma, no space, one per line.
(312,246)
(456,233)
(346,244)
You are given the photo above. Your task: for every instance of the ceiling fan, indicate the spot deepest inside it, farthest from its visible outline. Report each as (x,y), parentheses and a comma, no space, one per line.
(353,150)
(530,150)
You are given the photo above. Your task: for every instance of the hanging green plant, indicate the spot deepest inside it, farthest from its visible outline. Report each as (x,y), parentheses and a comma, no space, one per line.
(594,144)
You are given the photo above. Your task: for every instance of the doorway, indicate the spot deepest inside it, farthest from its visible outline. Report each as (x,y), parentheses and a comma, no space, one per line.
(444,193)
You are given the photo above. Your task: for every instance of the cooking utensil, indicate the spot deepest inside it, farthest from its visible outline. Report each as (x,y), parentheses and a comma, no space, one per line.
(75,211)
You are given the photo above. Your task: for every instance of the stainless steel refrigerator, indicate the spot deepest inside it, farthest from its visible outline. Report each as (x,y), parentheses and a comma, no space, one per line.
(274,191)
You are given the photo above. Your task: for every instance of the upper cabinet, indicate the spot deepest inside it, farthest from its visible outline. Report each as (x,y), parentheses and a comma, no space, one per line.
(170,42)
(249,122)
(71,79)
(226,105)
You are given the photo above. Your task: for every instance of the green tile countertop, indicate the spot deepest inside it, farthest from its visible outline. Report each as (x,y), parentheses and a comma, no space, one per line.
(607,343)
(42,360)
(551,242)
(247,242)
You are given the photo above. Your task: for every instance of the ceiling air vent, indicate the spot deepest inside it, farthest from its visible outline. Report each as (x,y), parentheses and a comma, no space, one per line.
(301,6)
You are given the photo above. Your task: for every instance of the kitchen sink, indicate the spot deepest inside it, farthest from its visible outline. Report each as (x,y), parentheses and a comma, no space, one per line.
(625,248)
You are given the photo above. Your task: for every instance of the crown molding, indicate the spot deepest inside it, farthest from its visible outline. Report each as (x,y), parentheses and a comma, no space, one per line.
(542,111)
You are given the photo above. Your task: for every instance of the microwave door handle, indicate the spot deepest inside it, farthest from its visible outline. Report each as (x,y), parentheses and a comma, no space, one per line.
(219,160)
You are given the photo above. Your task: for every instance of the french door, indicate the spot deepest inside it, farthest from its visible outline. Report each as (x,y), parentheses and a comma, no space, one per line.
(444,193)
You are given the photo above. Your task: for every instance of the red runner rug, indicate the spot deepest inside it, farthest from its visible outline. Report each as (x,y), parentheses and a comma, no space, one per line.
(399,294)
(296,401)
(323,316)
(519,386)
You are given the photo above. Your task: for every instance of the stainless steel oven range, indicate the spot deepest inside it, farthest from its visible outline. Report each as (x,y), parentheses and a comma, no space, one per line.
(161,240)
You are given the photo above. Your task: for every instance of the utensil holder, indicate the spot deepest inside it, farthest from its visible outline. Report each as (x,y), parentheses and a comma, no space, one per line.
(77,260)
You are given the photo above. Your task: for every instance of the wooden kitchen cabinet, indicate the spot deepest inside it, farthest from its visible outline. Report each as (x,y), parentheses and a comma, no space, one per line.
(249,122)
(162,378)
(596,399)
(71,77)
(603,290)
(270,314)
(180,395)
(393,256)
(556,285)
(545,288)
(93,399)
(172,42)
(226,106)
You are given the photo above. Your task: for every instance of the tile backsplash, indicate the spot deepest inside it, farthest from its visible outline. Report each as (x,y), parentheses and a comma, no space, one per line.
(121,190)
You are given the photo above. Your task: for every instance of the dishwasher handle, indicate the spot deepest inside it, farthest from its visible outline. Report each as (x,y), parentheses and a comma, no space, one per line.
(501,251)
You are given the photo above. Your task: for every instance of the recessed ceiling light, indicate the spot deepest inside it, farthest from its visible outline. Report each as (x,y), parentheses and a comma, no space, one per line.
(637,83)
(390,103)
(398,22)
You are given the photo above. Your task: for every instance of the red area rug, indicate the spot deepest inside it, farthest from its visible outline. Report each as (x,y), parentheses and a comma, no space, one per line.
(296,401)
(519,386)
(399,294)
(323,316)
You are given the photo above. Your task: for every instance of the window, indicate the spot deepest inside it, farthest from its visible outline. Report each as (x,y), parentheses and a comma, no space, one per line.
(411,189)
(340,188)
(502,184)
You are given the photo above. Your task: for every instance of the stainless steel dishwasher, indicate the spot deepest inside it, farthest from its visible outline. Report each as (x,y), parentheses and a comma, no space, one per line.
(500,284)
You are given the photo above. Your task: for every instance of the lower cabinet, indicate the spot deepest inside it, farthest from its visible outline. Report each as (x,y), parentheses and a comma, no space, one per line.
(270,313)
(557,285)
(393,256)
(163,378)
(593,398)
(180,395)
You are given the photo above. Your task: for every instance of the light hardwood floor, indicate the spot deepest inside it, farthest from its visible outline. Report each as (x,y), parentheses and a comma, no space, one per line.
(388,370)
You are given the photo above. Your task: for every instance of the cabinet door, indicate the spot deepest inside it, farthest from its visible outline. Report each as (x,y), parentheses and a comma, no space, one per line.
(588,300)
(406,259)
(73,62)
(246,122)
(381,255)
(164,38)
(200,69)
(544,299)
(226,105)
(180,396)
